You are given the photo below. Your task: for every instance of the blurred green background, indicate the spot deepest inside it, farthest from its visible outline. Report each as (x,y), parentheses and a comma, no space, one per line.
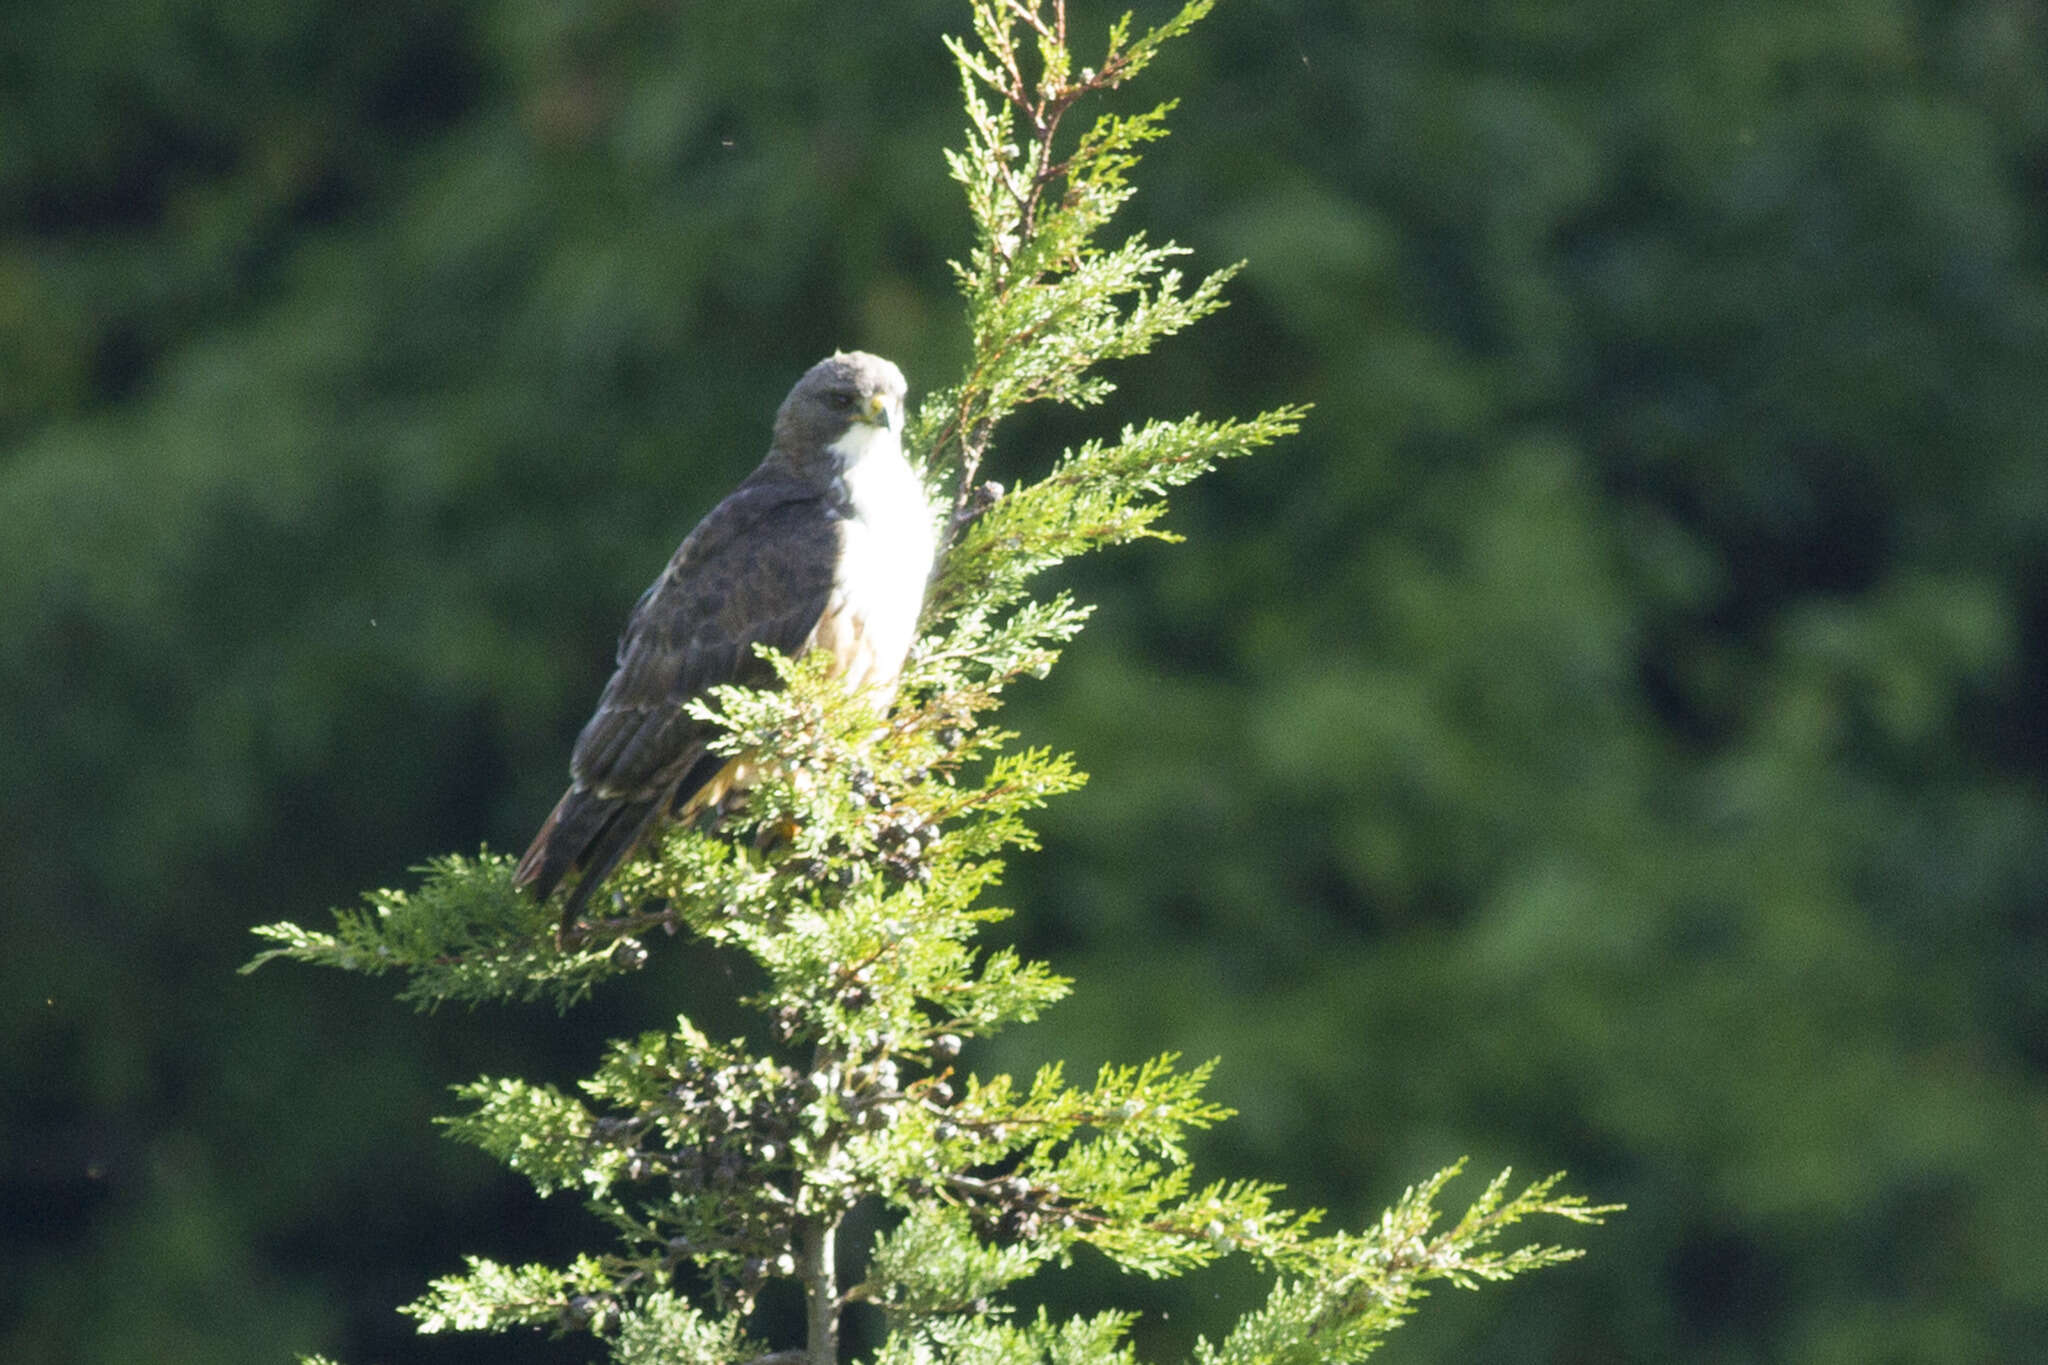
(1611,736)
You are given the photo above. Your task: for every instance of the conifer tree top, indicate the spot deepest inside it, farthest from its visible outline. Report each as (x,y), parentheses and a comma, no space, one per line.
(853,877)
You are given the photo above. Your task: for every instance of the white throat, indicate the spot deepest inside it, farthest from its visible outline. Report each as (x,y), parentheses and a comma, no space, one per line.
(862,444)
(880,488)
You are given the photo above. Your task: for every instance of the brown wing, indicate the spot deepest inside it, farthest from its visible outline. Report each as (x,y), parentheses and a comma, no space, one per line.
(757,570)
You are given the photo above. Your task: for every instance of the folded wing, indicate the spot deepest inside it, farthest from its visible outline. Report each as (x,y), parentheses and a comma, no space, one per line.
(757,570)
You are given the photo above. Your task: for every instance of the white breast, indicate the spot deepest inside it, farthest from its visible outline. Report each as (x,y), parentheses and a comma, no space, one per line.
(885,557)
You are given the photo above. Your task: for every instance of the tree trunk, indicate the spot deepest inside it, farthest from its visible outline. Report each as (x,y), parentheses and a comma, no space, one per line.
(821,1291)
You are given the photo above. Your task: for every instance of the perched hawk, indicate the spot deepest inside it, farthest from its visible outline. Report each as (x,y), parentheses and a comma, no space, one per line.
(826,545)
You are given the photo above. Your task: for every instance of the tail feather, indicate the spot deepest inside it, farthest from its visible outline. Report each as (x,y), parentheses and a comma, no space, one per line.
(542,865)
(586,835)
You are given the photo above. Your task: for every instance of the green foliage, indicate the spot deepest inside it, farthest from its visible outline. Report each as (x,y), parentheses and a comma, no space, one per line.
(451,935)
(1352,1290)
(852,876)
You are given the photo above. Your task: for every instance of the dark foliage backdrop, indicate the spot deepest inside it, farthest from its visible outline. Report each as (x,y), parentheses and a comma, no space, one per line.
(1612,736)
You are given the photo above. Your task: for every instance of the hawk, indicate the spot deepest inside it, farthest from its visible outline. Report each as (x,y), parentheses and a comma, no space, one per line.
(826,545)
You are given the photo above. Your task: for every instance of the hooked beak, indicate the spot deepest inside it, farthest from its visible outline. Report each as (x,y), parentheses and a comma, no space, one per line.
(879,412)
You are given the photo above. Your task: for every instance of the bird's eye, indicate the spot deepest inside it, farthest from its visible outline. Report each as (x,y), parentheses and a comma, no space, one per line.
(840,398)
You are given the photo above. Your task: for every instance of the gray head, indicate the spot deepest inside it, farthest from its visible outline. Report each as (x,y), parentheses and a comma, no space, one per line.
(845,390)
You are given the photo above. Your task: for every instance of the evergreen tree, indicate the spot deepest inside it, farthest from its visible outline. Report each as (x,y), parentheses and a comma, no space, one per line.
(853,875)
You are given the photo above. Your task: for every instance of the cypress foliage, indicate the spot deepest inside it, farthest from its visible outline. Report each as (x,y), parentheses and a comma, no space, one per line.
(854,875)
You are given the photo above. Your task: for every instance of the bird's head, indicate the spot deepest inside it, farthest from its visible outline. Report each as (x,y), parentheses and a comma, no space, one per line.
(843,405)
